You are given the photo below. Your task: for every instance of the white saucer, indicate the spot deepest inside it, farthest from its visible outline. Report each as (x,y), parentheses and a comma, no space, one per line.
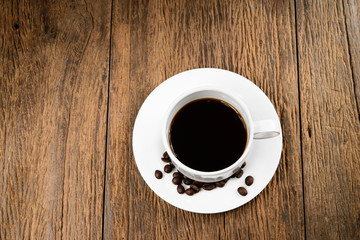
(262,160)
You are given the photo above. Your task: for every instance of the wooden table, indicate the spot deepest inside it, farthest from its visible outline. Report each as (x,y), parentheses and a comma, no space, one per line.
(73,75)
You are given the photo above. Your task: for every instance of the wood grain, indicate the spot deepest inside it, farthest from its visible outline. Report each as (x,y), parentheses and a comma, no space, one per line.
(352,17)
(267,43)
(117,197)
(62,142)
(329,120)
(54,82)
(153,40)
(139,213)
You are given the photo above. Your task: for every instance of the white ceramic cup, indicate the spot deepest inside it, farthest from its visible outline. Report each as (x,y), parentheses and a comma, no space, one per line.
(255,130)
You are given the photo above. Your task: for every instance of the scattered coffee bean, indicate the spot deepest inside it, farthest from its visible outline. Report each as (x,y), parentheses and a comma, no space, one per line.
(220,184)
(167,160)
(209,186)
(176,180)
(188,181)
(158,174)
(168,168)
(177,174)
(249,180)
(198,184)
(242,191)
(239,173)
(190,191)
(195,188)
(180,189)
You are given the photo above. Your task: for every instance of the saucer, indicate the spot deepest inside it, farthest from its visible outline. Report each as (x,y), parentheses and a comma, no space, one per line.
(261,162)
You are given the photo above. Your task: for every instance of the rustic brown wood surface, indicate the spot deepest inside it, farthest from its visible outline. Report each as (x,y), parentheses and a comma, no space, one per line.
(54,93)
(329,121)
(73,75)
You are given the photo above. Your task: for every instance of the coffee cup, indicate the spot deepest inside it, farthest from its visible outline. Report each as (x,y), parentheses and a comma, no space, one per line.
(266,128)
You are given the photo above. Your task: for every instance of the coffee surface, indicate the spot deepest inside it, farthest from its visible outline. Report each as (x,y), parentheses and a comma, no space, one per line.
(208,135)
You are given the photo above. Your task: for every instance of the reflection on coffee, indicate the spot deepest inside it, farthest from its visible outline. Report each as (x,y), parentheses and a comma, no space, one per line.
(208,135)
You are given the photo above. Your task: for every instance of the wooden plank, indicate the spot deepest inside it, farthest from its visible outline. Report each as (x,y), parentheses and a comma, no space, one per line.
(53,93)
(133,211)
(329,120)
(119,156)
(352,17)
(263,49)
(153,40)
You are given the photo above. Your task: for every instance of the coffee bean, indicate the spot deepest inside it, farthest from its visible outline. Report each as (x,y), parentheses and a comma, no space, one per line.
(232,176)
(168,168)
(158,174)
(239,173)
(188,181)
(220,184)
(195,188)
(244,164)
(177,174)
(209,186)
(185,177)
(180,189)
(165,155)
(190,191)
(167,160)
(242,191)
(176,180)
(226,180)
(249,180)
(198,184)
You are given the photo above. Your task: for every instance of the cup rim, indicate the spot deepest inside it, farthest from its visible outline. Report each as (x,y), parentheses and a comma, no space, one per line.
(249,125)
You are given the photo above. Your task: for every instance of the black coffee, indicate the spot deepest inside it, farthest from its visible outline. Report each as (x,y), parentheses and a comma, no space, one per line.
(208,135)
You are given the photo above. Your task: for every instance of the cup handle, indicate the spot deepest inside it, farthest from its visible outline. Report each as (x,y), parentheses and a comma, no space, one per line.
(265,129)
